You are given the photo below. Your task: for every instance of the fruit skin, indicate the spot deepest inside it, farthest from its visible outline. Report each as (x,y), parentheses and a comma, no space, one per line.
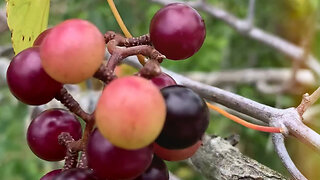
(113,163)
(50,175)
(41,37)
(43,132)
(76,174)
(130,112)
(163,80)
(28,81)
(176,154)
(72,51)
(186,120)
(177,31)
(156,171)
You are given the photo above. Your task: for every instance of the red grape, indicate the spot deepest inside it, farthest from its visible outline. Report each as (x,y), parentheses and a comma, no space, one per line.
(72,51)
(43,132)
(41,37)
(163,80)
(156,171)
(111,162)
(130,112)
(177,31)
(50,175)
(175,154)
(28,81)
(186,120)
(76,174)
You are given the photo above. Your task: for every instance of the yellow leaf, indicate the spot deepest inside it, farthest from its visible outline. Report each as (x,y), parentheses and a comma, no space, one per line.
(26,20)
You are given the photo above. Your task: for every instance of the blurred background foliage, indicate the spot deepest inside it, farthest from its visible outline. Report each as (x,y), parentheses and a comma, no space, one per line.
(224,49)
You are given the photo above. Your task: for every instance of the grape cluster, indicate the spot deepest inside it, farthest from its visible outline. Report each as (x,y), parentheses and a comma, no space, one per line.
(139,119)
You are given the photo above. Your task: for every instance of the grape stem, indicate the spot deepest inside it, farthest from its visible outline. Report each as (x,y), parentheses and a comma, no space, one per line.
(123,26)
(68,101)
(120,47)
(73,147)
(243,122)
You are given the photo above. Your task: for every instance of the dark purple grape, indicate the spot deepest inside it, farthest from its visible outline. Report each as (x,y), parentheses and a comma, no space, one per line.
(186,120)
(41,37)
(177,31)
(50,175)
(76,174)
(28,81)
(163,80)
(156,171)
(43,132)
(112,163)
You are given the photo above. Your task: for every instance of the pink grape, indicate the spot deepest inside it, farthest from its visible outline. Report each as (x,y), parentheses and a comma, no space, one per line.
(72,51)
(130,112)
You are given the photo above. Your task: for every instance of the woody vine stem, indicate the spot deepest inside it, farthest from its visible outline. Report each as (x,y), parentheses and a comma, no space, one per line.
(282,122)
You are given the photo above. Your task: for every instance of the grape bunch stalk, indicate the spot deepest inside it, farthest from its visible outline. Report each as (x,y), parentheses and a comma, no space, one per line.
(139,120)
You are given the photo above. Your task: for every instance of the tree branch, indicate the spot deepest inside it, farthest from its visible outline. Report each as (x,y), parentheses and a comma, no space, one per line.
(296,53)
(218,159)
(278,141)
(276,77)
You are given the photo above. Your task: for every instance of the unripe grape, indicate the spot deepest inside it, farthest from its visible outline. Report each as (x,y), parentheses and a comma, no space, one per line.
(130,112)
(72,51)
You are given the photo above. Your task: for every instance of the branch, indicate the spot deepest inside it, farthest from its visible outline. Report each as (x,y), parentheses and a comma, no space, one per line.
(296,53)
(278,141)
(277,77)
(218,159)
(287,119)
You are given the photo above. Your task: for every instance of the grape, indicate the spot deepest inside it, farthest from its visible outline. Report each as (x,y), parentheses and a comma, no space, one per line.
(186,120)
(130,112)
(41,37)
(28,81)
(177,31)
(72,51)
(50,175)
(43,132)
(76,174)
(175,154)
(156,171)
(111,162)
(163,80)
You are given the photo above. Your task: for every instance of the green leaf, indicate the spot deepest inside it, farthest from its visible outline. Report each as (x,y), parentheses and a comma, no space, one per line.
(26,20)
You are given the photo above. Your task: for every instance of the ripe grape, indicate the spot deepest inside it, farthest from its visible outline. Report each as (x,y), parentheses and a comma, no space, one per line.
(186,120)
(177,31)
(130,112)
(163,80)
(28,81)
(110,162)
(72,51)
(156,171)
(176,154)
(41,37)
(50,175)
(43,132)
(76,174)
